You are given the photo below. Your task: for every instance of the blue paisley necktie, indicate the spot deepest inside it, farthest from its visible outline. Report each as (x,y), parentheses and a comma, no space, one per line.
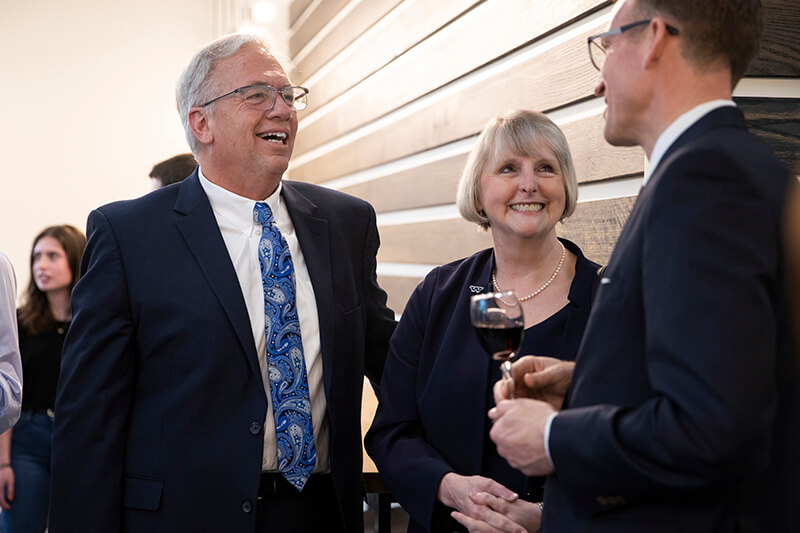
(291,403)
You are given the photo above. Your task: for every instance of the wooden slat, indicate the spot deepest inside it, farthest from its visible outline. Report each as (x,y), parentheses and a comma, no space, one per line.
(431,243)
(780,47)
(595,226)
(323,12)
(296,9)
(399,289)
(357,22)
(777,122)
(411,23)
(442,58)
(435,183)
(427,185)
(521,86)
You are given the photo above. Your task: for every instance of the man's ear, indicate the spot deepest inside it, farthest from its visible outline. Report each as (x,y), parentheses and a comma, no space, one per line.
(657,38)
(199,124)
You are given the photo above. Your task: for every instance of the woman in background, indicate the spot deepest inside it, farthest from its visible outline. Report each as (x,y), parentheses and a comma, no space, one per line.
(43,322)
(430,437)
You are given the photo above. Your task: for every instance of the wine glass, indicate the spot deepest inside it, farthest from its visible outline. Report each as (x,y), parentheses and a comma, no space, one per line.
(499,323)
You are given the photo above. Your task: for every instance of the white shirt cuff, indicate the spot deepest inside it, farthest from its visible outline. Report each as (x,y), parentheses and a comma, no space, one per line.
(547,438)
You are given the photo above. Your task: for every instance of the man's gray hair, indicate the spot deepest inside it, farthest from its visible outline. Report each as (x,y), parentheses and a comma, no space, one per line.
(193,86)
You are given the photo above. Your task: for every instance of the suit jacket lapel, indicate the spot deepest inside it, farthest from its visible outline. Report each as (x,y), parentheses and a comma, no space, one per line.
(721,117)
(313,234)
(197,224)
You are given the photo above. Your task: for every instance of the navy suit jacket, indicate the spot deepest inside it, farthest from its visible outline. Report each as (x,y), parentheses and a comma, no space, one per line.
(434,397)
(161,403)
(684,408)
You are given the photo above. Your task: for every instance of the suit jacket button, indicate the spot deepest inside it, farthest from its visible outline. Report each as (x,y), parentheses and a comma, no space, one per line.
(255,428)
(247,506)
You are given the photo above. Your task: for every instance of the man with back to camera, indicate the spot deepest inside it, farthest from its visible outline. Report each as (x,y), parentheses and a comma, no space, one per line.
(225,397)
(682,412)
(172,170)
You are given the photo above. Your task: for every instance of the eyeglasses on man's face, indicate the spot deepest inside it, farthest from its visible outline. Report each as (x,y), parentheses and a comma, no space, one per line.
(262,97)
(598,44)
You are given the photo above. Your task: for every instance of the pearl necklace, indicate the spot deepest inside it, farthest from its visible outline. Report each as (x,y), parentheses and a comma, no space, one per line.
(546,283)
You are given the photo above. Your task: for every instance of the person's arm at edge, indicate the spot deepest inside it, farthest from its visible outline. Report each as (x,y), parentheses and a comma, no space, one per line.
(7,481)
(10,362)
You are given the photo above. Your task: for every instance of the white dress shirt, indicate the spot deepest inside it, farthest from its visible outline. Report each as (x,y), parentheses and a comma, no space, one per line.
(10,364)
(665,140)
(242,234)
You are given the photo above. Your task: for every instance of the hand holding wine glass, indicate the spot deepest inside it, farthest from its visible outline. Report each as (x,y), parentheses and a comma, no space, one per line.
(499,323)
(539,378)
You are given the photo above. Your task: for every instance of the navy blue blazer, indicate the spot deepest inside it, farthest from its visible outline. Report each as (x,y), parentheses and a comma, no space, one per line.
(161,403)
(684,408)
(432,418)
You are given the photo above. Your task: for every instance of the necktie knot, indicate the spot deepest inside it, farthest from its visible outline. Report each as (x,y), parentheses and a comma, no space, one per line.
(262,214)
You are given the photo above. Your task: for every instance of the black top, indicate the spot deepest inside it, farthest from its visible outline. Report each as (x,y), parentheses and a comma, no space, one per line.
(41,361)
(547,338)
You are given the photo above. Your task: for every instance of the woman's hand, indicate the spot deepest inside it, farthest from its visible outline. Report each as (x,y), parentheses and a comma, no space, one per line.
(539,378)
(6,487)
(521,512)
(457,491)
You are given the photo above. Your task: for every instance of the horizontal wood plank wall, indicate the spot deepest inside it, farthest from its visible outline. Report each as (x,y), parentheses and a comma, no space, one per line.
(438,60)
(400,88)
(596,226)
(296,9)
(777,121)
(434,243)
(780,47)
(399,288)
(448,117)
(407,25)
(594,158)
(363,16)
(314,23)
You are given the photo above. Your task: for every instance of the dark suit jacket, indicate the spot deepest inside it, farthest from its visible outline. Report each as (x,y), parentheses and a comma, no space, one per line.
(161,402)
(684,408)
(432,419)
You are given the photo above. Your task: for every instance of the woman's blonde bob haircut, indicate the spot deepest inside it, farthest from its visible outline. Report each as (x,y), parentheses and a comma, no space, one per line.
(519,132)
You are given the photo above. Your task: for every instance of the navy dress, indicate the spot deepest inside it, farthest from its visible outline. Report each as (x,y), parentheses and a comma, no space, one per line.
(436,388)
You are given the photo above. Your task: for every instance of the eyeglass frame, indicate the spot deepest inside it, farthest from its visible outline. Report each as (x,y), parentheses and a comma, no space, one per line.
(274,95)
(672,30)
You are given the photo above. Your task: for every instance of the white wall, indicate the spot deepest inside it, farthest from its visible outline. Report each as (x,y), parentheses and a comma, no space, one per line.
(87,103)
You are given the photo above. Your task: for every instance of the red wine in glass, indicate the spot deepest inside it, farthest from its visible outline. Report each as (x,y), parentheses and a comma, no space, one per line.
(502,341)
(499,324)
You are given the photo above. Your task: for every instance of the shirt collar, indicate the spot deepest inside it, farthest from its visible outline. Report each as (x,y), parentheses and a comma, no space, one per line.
(238,210)
(680,125)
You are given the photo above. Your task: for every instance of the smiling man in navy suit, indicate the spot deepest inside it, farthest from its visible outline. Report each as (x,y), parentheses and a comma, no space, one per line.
(213,372)
(682,413)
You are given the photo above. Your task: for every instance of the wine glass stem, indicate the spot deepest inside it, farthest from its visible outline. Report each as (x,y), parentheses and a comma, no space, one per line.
(508,378)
